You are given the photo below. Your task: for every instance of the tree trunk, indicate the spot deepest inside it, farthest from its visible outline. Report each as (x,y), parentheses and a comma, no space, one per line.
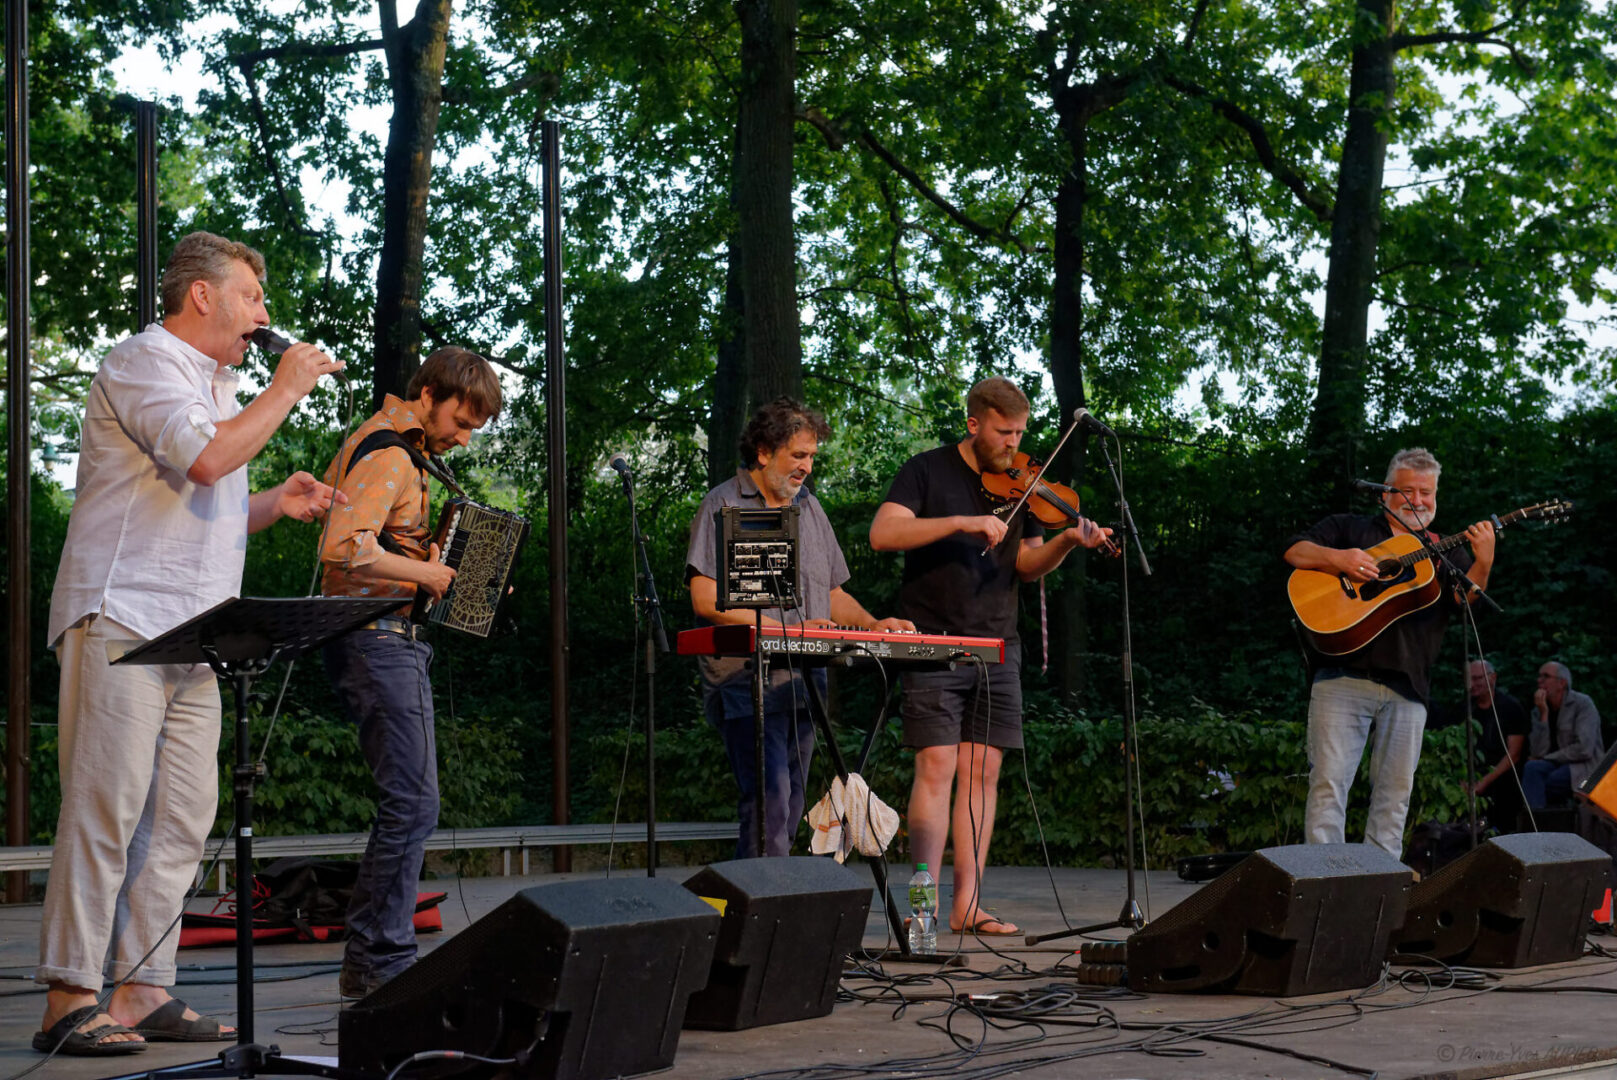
(763,189)
(415,64)
(729,410)
(1067,375)
(1336,427)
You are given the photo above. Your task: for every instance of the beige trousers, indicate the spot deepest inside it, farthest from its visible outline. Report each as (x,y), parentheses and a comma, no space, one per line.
(140,789)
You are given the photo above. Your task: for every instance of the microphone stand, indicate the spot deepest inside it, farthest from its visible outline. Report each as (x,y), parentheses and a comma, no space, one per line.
(647,603)
(1131,915)
(1471,751)
(1458,581)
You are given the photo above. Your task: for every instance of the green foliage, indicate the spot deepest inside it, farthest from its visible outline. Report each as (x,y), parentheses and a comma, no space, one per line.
(44,781)
(1198,331)
(318,782)
(1210,781)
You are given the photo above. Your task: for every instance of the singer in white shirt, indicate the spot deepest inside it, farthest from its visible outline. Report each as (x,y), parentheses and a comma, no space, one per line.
(157,535)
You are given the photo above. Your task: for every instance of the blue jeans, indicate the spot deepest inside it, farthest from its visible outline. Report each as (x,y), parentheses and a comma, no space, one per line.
(1345,712)
(382,679)
(788,749)
(1542,779)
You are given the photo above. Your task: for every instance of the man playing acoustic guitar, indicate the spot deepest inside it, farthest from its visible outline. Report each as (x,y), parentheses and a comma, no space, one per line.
(1378,692)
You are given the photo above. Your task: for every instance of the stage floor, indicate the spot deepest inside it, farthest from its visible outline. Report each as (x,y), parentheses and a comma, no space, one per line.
(1552,1021)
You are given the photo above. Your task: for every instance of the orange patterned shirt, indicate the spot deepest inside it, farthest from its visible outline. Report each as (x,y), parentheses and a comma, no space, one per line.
(386,493)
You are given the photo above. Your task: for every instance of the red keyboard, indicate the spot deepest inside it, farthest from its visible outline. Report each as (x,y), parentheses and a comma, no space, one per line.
(839,644)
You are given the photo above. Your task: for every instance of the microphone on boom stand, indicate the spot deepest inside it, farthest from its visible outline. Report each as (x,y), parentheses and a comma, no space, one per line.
(657,641)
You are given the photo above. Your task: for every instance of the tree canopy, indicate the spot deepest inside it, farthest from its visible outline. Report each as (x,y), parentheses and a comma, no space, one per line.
(1270,242)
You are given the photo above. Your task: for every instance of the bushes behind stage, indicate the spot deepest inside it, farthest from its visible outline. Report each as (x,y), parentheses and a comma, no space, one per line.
(1211,781)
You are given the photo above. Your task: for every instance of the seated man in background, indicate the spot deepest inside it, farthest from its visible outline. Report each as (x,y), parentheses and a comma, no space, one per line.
(1565,741)
(1503,740)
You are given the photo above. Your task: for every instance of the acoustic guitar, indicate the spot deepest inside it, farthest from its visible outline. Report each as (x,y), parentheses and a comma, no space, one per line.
(1342,616)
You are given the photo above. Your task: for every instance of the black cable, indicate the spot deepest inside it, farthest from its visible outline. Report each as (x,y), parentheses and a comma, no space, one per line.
(446,1055)
(1469,622)
(314,578)
(984,696)
(628,741)
(1087,1009)
(454,747)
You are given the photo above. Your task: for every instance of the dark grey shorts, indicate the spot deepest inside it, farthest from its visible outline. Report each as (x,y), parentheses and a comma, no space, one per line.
(945,708)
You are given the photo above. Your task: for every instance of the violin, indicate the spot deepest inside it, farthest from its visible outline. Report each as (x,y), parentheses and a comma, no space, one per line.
(1054,505)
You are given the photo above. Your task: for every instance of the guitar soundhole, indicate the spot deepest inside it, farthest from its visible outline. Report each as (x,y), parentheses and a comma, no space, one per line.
(1372,589)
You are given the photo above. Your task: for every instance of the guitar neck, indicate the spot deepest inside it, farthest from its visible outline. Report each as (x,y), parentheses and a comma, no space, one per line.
(1449,543)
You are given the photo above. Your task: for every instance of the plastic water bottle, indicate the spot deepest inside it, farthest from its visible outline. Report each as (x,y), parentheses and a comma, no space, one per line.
(923,912)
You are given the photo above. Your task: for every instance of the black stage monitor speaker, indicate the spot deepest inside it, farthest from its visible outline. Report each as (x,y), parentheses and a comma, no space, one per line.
(1302,919)
(788,923)
(589,978)
(1515,901)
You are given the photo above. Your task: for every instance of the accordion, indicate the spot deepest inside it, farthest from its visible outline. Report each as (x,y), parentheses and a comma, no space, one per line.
(480,544)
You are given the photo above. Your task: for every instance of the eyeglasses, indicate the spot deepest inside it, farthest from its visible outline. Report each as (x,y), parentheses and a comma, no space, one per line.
(1547,675)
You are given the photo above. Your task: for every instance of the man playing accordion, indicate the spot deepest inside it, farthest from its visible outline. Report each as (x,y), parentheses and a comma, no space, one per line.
(380,544)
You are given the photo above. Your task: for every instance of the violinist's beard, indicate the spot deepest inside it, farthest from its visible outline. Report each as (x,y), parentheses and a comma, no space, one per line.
(989,459)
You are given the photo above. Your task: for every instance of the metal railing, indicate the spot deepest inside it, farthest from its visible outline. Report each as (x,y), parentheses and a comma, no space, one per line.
(508,839)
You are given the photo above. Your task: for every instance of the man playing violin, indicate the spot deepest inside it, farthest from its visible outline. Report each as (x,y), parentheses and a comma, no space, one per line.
(962,569)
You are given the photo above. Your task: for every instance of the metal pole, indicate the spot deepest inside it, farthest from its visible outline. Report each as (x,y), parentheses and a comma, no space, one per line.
(556,443)
(19,441)
(145,214)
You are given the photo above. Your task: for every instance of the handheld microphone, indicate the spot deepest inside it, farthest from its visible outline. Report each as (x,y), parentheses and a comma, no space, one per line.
(1086,419)
(1371,485)
(270,341)
(620,463)
(275,345)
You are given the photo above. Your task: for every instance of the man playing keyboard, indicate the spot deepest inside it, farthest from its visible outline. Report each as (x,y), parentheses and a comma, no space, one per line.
(777,455)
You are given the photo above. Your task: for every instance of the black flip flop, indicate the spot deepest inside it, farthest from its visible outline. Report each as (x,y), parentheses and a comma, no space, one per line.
(76,1043)
(167,1023)
(979,928)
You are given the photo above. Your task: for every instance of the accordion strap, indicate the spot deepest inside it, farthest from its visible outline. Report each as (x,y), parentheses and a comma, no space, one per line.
(386,437)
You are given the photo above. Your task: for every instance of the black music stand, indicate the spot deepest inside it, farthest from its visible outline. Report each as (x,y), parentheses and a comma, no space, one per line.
(239,639)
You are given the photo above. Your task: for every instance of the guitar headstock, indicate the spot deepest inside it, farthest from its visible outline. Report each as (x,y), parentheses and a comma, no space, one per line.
(1552,511)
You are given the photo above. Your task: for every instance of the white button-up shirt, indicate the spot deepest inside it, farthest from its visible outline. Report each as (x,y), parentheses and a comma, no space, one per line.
(145,546)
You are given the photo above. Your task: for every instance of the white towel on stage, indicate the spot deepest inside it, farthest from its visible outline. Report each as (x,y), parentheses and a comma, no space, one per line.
(849,817)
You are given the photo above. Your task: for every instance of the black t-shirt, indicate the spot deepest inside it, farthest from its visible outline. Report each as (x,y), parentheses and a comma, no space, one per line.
(1513,720)
(1401,656)
(951,587)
